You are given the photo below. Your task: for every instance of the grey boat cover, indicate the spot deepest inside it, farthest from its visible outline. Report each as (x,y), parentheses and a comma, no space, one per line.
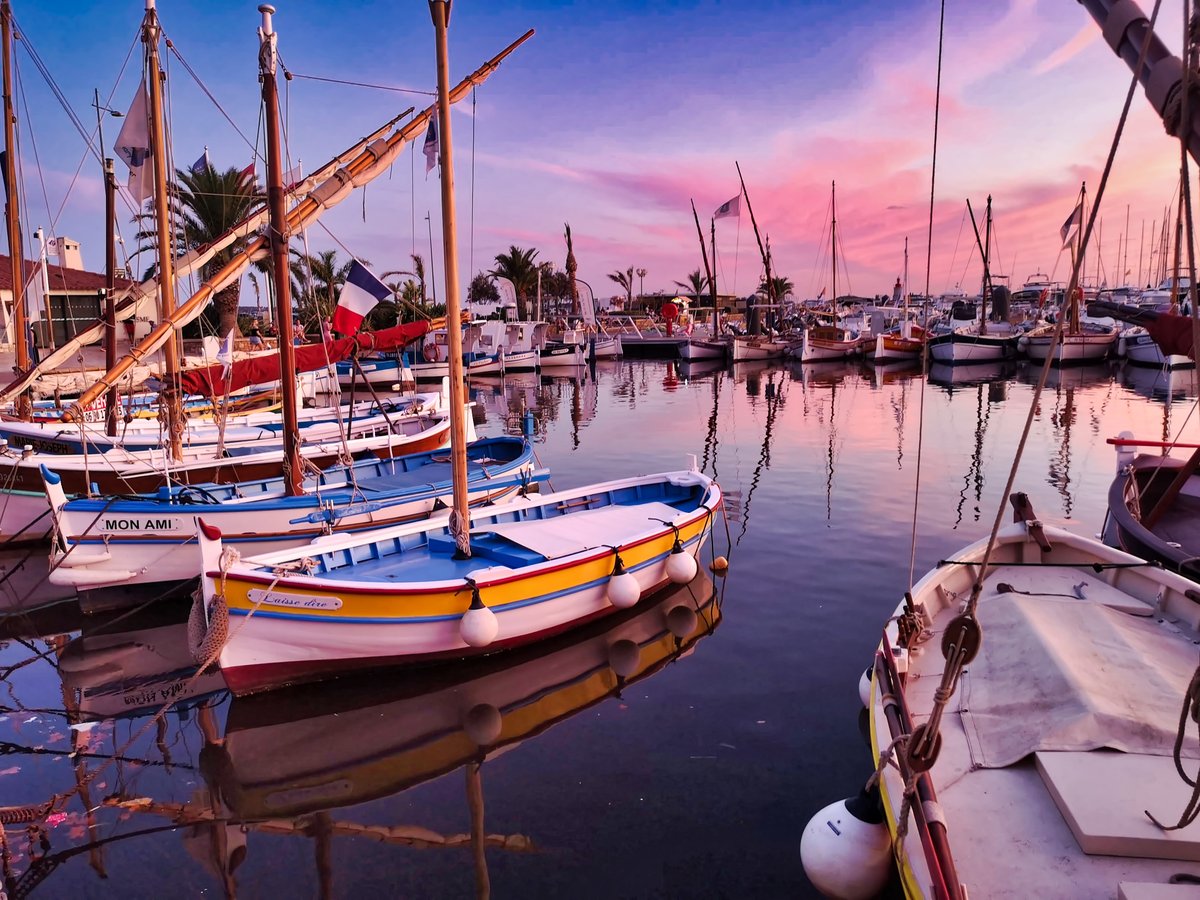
(1063,674)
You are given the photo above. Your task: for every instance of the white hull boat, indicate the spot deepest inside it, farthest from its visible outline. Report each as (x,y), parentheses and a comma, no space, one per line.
(698,348)
(1090,344)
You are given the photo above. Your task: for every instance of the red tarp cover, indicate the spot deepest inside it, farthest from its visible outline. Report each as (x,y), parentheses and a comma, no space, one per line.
(1173,334)
(210,380)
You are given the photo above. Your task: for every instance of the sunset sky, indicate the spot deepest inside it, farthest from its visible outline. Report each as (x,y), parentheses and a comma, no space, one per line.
(616,114)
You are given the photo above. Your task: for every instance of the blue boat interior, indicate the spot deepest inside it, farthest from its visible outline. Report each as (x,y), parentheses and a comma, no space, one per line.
(429,555)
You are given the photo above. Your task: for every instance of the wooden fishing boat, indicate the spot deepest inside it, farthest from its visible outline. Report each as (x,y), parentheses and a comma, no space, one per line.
(25,514)
(388,735)
(539,565)
(105,541)
(826,342)
(906,342)
(1014,781)
(750,348)
(1154,505)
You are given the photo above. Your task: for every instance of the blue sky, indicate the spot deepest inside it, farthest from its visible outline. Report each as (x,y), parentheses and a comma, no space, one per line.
(616,114)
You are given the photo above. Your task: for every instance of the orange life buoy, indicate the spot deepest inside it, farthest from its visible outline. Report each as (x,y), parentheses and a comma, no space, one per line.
(430,351)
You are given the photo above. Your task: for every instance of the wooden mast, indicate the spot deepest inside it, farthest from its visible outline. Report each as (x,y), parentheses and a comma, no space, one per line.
(439,10)
(833,246)
(708,272)
(21,334)
(716,320)
(112,397)
(987,267)
(267,61)
(170,397)
(766,257)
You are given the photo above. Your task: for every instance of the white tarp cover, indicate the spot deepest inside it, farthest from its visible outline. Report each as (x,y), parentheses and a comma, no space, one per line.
(1062,674)
(586,529)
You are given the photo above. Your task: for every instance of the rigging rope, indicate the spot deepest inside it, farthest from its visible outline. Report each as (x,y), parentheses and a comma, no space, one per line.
(937,106)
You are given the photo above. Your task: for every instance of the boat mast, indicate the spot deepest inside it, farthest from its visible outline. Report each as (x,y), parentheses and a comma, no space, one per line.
(708,273)
(440,11)
(712,285)
(766,257)
(987,267)
(166,268)
(21,334)
(267,60)
(833,246)
(112,397)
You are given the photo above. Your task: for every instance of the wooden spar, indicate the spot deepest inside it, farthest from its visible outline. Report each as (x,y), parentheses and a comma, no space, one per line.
(1077,264)
(483,881)
(833,247)
(170,398)
(267,61)
(21,334)
(716,320)
(361,169)
(766,257)
(112,401)
(984,253)
(708,273)
(461,514)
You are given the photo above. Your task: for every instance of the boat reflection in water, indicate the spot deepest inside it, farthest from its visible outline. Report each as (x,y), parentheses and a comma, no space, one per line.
(951,376)
(285,761)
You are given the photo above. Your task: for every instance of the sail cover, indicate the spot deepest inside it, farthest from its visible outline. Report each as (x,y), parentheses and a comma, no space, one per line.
(1173,334)
(263,368)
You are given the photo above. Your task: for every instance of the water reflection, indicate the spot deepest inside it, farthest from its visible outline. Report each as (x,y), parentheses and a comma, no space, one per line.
(137,746)
(528,403)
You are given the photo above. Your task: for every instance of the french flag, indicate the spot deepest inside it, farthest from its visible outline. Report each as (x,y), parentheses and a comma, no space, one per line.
(360,293)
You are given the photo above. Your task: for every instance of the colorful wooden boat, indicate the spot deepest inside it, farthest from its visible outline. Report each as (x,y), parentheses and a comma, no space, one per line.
(105,541)
(539,565)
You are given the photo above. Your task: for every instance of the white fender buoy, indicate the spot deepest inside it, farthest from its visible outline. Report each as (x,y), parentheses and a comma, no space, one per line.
(1122,347)
(864,686)
(623,589)
(846,850)
(478,625)
(681,621)
(623,657)
(482,724)
(681,566)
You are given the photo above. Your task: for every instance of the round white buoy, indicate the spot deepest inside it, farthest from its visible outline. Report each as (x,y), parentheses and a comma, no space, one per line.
(846,850)
(1122,347)
(478,626)
(864,686)
(681,566)
(623,589)
(681,621)
(482,724)
(624,656)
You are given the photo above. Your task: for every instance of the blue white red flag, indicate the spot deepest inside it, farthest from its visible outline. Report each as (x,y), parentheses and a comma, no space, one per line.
(729,208)
(360,293)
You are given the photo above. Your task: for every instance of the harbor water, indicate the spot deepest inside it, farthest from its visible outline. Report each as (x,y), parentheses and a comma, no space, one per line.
(676,750)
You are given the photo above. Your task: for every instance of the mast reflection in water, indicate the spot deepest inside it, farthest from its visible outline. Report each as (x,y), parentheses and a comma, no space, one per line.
(580,767)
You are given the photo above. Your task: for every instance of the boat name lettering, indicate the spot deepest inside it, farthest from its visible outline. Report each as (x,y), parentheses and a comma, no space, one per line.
(149,524)
(295,601)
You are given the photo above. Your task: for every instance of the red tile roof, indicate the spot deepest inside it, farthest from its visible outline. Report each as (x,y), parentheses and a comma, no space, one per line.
(61,278)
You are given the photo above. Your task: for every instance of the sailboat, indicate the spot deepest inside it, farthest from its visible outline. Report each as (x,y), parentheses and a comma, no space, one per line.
(906,341)
(1072,340)
(989,339)
(508,575)
(1030,706)
(828,340)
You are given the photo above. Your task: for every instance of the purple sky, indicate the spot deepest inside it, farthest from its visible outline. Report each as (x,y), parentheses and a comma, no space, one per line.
(616,115)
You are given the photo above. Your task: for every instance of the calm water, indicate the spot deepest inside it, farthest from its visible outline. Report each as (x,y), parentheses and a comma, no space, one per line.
(670,753)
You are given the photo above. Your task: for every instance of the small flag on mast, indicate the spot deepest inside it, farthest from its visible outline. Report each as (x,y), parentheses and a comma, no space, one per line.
(202,164)
(1072,224)
(133,146)
(729,208)
(360,293)
(431,147)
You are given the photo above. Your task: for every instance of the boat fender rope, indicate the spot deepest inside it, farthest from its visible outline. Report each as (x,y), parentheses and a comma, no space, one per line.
(208,630)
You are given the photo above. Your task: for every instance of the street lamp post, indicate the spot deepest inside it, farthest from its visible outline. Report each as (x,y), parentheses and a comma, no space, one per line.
(100,119)
(641,274)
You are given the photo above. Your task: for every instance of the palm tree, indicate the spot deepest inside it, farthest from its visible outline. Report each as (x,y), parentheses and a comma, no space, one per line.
(572,269)
(695,284)
(625,280)
(205,205)
(779,287)
(518,266)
